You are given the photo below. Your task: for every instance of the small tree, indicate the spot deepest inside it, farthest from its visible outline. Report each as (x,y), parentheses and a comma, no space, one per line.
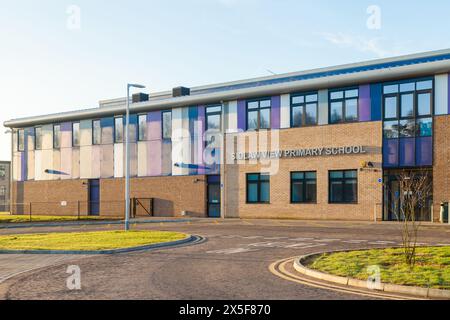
(415,191)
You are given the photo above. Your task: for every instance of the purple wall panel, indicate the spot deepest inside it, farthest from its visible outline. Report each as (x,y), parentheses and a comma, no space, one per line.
(275,112)
(154,158)
(242,115)
(66,126)
(390,153)
(154,125)
(364,103)
(200,142)
(424,152)
(23,164)
(407,152)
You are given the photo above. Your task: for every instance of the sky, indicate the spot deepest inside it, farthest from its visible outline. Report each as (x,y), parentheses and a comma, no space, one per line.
(58,55)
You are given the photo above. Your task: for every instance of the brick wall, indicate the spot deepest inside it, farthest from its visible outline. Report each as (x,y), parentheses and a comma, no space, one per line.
(172,195)
(441,173)
(369,189)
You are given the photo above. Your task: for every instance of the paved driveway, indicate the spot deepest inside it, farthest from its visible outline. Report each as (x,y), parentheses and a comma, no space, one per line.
(233,263)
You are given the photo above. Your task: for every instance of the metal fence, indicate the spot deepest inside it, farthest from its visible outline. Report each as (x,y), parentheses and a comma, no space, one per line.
(80,209)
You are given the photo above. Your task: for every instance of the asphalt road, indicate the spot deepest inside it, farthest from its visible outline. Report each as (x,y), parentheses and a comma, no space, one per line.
(233,262)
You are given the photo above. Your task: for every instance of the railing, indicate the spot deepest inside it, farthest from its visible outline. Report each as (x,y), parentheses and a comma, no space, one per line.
(139,207)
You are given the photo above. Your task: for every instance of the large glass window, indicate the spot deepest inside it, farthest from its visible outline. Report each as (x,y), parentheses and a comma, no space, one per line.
(407,109)
(258,114)
(343,186)
(38,138)
(76,134)
(258,188)
(118,130)
(96,132)
(167,125)
(21,140)
(344,105)
(304,110)
(142,130)
(213,123)
(303,187)
(2,172)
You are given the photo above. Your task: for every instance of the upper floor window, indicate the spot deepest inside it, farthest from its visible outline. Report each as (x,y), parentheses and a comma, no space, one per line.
(118,130)
(258,114)
(56,136)
(142,127)
(21,140)
(304,110)
(167,125)
(96,132)
(38,138)
(408,109)
(214,118)
(2,192)
(344,105)
(76,134)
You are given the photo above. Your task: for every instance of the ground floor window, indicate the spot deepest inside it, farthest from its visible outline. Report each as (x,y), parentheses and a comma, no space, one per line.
(303,187)
(258,188)
(343,186)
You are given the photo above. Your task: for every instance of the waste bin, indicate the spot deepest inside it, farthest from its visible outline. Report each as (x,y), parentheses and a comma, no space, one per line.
(444,212)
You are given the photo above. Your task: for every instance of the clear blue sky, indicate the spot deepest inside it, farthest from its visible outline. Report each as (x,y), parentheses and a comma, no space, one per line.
(46,67)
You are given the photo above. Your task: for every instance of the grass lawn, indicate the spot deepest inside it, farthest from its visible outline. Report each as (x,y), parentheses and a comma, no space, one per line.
(102,240)
(7,218)
(432,268)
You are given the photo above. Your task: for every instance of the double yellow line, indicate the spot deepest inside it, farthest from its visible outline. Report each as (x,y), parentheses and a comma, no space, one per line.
(279,269)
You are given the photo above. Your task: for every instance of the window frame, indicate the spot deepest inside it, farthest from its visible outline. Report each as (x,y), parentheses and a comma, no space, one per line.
(415,117)
(342,180)
(73,135)
(258,183)
(303,106)
(93,132)
(35,138)
(344,101)
(19,148)
(139,138)
(304,184)
(162,125)
(258,100)
(123,129)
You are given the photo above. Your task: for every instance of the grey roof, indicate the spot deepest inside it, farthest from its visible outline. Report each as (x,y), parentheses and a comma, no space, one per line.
(421,64)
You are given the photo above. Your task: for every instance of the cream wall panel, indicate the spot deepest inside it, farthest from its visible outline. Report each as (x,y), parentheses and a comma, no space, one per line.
(75,163)
(96,162)
(17,163)
(66,163)
(231,117)
(38,165)
(47,137)
(30,164)
(441,94)
(85,162)
(107,161)
(118,160)
(56,165)
(47,163)
(133,160)
(142,159)
(285,111)
(323,107)
(86,133)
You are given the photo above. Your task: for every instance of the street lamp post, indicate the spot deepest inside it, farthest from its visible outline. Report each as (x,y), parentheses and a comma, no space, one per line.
(127,157)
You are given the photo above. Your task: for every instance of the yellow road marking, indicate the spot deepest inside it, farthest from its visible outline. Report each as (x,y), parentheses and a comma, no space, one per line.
(283,273)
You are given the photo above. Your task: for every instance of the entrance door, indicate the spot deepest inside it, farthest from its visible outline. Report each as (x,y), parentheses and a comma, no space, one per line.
(213,197)
(94,197)
(392,195)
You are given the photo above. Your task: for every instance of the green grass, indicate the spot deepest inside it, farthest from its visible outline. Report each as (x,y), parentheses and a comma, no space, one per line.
(7,218)
(84,241)
(432,268)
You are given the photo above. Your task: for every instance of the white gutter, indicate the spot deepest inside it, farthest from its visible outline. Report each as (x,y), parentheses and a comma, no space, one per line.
(365,77)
